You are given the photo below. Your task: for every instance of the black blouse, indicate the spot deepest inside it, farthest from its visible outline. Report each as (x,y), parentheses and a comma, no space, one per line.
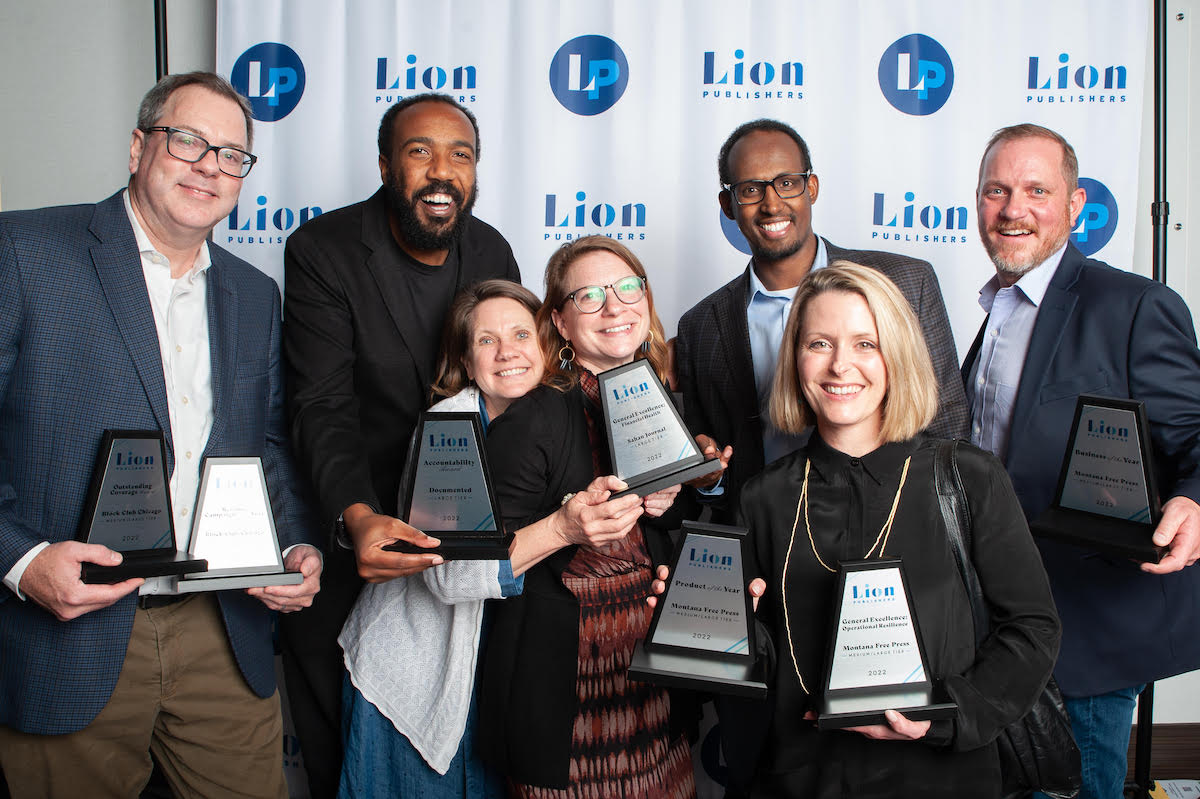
(849,501)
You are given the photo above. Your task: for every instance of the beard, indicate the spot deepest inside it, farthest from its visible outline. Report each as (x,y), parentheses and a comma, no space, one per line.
(1016,266)
(771,251)
(417,233)
(775,252)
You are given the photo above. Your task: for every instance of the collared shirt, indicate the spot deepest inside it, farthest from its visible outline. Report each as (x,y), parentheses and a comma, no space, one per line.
(766,315)
(181,319)
(996,373)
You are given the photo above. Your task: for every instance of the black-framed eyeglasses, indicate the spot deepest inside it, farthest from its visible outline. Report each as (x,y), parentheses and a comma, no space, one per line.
(787,186)
(189,147)
(591,299)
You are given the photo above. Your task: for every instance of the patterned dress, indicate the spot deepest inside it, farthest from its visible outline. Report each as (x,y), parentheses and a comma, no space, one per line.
(621,743)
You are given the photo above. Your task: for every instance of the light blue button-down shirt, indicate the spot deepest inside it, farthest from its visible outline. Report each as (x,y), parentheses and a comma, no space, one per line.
(996,373)
(767,314)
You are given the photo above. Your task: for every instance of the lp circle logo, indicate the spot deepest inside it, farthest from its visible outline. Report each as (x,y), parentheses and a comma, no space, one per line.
(1098,219)
(271,76)
(916,75)
(733,234)
(589,74)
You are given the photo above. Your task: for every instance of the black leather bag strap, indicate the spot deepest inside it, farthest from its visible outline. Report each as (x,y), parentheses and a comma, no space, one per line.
(952,500)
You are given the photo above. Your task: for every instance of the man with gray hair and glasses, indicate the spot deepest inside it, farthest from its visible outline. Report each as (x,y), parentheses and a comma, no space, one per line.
(122,316)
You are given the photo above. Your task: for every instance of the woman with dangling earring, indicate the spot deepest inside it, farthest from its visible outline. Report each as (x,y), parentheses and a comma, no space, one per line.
(558,715)
(854,365)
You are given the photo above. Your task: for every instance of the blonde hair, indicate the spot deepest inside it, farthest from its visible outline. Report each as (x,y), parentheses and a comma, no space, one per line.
(557,290)
(911,400)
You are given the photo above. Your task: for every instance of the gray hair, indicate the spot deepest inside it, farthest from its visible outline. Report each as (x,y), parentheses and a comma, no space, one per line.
(151,109)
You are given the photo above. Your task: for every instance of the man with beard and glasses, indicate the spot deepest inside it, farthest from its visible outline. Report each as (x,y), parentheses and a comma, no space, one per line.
(366,290)
(1060,325)
(728,344)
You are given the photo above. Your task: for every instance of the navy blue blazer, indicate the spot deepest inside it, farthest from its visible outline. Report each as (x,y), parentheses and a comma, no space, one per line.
(78,354)
(1105,331)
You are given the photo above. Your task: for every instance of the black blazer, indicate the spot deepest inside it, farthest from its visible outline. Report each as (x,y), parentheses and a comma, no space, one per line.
(1101,330)
(716,370)
(354,385)
(355,390)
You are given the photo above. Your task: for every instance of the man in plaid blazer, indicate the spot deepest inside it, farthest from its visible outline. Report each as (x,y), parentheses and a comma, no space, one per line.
(728,343)
(120,315)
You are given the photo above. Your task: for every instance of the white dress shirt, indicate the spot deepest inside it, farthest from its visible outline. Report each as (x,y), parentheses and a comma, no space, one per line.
(181,319)
(180,313)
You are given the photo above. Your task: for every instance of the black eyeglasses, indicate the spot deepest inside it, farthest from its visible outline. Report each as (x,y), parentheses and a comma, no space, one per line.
(591,299)
(751,192)
(191,148)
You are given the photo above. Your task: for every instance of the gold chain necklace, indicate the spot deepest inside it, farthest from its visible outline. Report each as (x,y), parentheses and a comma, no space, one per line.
(885,532)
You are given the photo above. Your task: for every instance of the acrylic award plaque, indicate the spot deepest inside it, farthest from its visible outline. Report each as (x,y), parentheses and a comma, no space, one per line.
(128,509)
(447,491)
(876,659)
(650,446)
(702,634)
(1107,499)
(233,528)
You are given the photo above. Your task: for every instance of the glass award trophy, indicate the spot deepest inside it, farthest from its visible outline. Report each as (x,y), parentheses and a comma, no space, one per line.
(876,659)
(447,493)
(650,446)
(234,530)
(128,509)
(1107,499)
(702,633)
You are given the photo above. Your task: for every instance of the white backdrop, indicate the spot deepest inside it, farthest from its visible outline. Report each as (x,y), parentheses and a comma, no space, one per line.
(640,161)
(606,117)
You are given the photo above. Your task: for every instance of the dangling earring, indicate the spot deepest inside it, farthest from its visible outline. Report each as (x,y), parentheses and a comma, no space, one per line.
(646,344)
(566,357)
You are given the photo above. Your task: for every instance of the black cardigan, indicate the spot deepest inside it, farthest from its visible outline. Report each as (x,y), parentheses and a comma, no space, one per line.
(539,451)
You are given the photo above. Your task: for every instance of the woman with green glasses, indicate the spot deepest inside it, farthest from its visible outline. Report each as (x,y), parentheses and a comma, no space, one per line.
(558,716)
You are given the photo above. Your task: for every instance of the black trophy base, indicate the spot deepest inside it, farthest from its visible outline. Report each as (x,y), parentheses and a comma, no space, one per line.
(674,478)
(191,585)
(697,673)
(1116,537)
(459,547)
(165,563)
(916,704)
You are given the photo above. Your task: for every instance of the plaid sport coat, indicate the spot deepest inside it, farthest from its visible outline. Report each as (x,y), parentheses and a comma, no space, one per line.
(79,354)
(716,373)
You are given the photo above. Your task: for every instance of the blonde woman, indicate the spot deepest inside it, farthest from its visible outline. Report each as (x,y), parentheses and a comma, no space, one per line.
(854,365)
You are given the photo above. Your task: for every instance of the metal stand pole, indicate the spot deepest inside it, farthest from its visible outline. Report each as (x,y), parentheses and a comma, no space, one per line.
(160,39)
(1160,209)
(1142,784)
